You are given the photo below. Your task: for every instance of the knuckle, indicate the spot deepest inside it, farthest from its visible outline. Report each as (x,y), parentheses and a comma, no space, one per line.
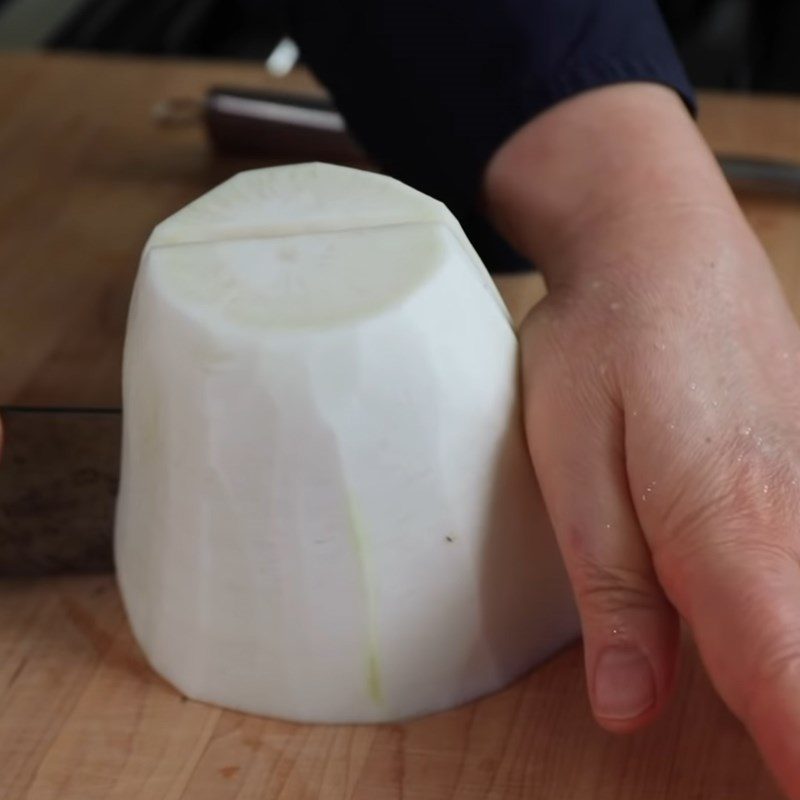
(740,505)
(559,347)
(752,557)
(781,665)
(607,590)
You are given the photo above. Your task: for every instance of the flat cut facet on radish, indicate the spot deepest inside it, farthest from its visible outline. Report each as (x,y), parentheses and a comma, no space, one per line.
(327,512)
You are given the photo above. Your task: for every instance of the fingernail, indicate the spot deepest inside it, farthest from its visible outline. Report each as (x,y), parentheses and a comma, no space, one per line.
(624,686)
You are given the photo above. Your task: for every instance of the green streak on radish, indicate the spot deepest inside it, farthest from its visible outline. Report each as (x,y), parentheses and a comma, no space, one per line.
(363,553)
(375,691)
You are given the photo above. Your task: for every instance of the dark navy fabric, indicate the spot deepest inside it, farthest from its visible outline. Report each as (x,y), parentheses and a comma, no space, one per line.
(431,88)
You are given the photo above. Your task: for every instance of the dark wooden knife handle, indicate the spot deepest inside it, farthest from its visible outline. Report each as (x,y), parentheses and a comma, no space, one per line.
(279,127)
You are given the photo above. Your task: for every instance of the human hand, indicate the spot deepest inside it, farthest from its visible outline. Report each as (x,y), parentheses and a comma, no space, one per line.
(664,425)
(662,395)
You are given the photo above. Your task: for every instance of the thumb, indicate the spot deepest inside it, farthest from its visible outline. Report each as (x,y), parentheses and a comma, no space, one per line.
(630,630)
(735,578)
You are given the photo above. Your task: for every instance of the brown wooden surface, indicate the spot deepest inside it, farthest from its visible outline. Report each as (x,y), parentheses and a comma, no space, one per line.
(83,718)
(85,175)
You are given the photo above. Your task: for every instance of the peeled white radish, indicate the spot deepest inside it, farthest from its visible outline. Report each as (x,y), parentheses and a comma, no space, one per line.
(327,511)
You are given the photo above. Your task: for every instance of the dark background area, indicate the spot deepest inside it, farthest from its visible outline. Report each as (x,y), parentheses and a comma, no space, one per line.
(726,44)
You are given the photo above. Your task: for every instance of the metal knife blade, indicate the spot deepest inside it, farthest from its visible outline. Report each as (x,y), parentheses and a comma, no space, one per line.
(58,482)
(762,175)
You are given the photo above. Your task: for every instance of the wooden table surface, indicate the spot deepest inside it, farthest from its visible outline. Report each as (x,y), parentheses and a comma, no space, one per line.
(85,176)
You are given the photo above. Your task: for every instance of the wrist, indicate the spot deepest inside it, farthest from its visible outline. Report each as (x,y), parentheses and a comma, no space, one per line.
(602,176)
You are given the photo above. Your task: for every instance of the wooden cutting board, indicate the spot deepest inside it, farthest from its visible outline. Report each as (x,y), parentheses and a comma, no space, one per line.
(85,176)
(84,718)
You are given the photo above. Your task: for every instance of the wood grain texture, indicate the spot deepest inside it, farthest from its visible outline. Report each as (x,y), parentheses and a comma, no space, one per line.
(85,177)
(82,717)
